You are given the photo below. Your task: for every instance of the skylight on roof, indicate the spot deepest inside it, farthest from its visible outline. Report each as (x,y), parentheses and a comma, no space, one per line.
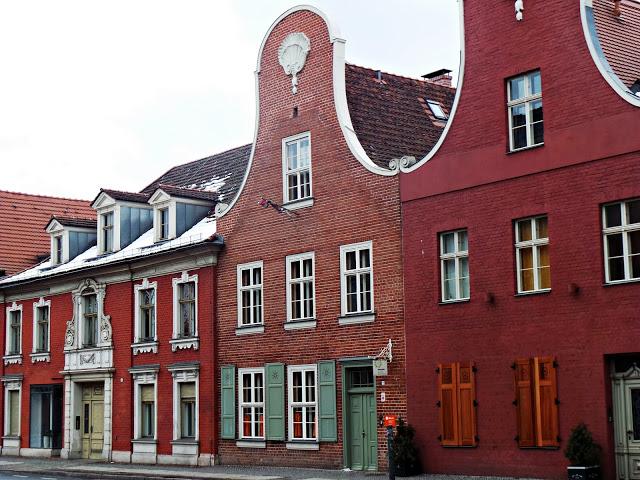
(437,110)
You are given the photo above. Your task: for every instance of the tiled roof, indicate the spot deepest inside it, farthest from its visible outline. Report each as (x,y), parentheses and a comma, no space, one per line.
(221,174)
(391,117)
(189,193)
(620,37)
(75,222)
(22,219)
(125,196)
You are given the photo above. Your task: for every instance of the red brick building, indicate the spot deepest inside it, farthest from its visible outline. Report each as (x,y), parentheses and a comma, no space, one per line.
(521,235)
(310,282)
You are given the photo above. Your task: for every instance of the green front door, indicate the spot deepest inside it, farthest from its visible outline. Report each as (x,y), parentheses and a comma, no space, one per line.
(361,439)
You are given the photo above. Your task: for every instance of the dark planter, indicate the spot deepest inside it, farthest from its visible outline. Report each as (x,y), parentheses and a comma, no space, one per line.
(584,473)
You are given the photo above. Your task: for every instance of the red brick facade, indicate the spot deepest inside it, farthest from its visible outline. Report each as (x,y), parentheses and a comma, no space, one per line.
(590,157)
(351,205)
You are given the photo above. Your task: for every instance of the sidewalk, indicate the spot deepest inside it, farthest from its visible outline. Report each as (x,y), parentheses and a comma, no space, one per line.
(90,469)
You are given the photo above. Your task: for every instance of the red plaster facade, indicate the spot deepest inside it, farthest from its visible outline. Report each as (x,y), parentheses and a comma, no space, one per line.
(590,157)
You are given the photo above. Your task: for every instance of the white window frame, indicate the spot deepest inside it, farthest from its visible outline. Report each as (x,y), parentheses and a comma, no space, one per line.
(434,106)
(148,346)
(625,228)
(184,374)
(299,257)
(58,254)
(102,247)
(290,404)
(535,243)
(240,288)
(74,337)
(178,342)
(252,404)
(43,355)
(456,255)
(344,249)
(526,101)
(13,357)
(12,384)
(299,202)
(144,376)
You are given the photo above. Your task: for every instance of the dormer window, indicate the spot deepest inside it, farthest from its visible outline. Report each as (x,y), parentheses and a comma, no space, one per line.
(107,232)
(122,218)
(70,237)
(178,209)
(296,170)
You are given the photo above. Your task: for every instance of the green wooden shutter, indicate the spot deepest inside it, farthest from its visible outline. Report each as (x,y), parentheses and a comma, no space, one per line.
(228,401)
(328,425)
(275,401)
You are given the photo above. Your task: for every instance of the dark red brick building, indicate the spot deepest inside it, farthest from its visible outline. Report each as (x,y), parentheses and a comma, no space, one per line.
(521,236)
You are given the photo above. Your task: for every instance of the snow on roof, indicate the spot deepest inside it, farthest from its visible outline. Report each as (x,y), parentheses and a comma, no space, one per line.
(143,246)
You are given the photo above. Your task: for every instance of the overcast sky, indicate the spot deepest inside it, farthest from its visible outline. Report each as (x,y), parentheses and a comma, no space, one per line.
(112,93)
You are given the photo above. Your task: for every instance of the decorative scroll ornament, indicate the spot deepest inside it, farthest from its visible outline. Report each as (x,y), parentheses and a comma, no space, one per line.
(292,56)
(406,161)
(70,334)
(519,9)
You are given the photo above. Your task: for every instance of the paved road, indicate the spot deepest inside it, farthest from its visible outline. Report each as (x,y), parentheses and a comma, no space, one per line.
(15,476)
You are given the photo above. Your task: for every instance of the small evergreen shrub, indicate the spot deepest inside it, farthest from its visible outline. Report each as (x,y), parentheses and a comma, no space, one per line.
(404,452)
(581,449)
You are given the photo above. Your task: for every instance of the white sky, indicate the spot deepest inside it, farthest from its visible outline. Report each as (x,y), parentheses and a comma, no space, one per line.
(113,93)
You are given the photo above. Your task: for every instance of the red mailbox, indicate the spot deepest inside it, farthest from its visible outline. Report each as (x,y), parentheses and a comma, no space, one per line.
(390,420)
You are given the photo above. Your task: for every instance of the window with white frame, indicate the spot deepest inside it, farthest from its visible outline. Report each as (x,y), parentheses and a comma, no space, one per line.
(454,265)
(163,229)
(107,231)
(621,231)
(57,249)
(147,395)
(249,294)
(41,328)
(526,126)
(14,330)
(187,409)
(187,309)
(301,287)
(437,110)
(356,278)
(89,318)
(251,402)
(303,405)
(146,313)
(12,413)
(297,168)
(532,255)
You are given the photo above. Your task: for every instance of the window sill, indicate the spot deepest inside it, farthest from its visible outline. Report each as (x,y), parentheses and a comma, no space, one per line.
(40,357)
(296,204)
(524,149)
(453,302)
(150,441)
(621,282)
(15,359)
(249,329)
(145,347)
(357,318)
(300,324)
(184,343)
(248,443)
(533,292)
(303,445)
(184,441)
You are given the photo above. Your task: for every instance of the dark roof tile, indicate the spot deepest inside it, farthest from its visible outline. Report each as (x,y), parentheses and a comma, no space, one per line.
(125,196)
(188,192)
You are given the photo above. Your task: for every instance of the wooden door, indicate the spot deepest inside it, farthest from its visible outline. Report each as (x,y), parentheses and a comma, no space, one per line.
(632,428)
(371,432)
(92,420)
(356,432)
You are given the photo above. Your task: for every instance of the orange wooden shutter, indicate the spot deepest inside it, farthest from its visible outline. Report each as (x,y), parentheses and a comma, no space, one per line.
(546,395)
(447,386)
(466,404)
(524,402)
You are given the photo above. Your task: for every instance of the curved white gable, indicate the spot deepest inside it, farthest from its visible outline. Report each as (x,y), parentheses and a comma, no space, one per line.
(591,36)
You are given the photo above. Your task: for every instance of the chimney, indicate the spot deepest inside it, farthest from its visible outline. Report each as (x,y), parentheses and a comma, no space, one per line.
(616,8)
(440,77)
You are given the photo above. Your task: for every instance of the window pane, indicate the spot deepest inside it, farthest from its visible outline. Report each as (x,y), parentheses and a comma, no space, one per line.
(535,83)
(293,186)
(295,269)
(518,116)
(350,260)
(614,245)
(462,241)
(292,156)
(304,152)
(310,382)
(635,266)
(537,133)
(364,258)
(536,111)
(257,276)
(464,277)
(519,137)
(544,270)
(246,277)
(307,267)
(297,386)
(297,422)
(634,242)
(450,289)
(464,267)
(541,227)
(305,184)
(310,422)
(516,87)
(365,291)
(616,269)
(613,217)
(524,230)
(526,258)
(633,212)
(448,243)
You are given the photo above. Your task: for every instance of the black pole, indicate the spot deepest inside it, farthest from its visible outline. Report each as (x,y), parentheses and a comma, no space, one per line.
(392,467)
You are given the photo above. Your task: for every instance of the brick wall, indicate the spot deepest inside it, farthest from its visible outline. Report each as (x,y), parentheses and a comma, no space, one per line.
(351,205)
